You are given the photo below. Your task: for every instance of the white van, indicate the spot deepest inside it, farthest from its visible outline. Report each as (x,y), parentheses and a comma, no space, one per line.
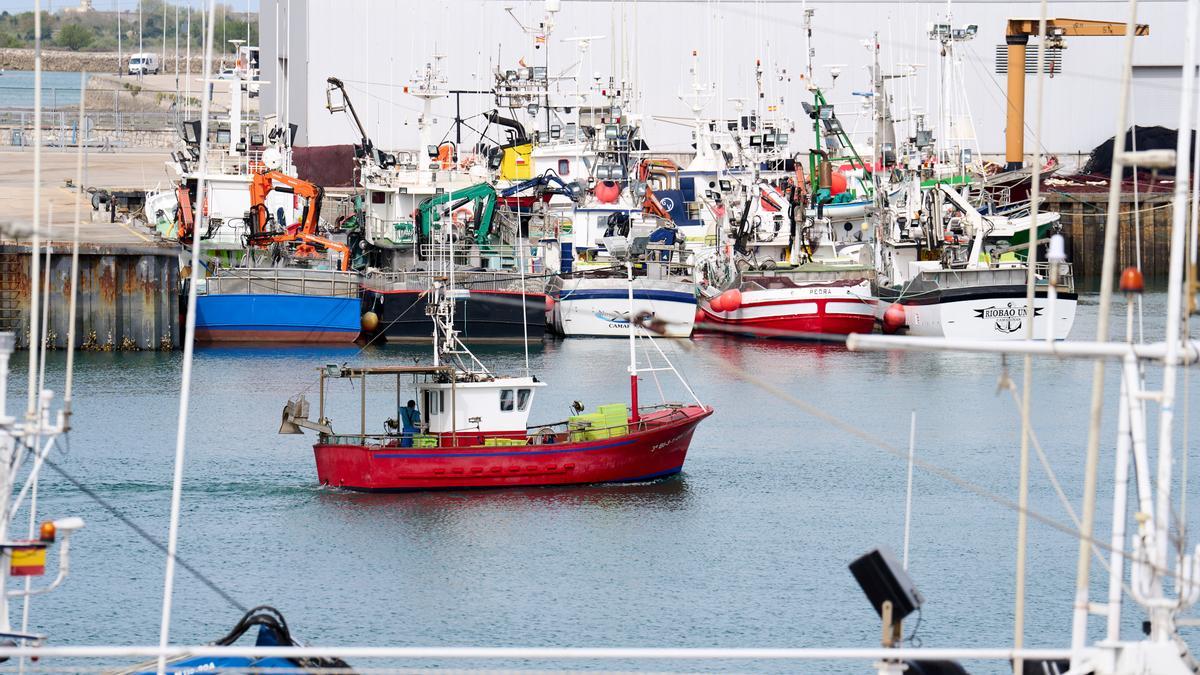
(144,63)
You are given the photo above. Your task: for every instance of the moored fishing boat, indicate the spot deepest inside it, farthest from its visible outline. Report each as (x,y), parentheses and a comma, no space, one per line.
(601,302)
(278,304)
(598,306)
(966,291)
(489,307)
(782,303)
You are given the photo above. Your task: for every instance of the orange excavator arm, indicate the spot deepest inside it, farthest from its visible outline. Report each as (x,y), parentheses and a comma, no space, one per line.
(263,183)
(307,249)
(310,242)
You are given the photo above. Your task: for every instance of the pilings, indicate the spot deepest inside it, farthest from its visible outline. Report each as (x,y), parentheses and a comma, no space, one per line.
(128,297)
(1083,223)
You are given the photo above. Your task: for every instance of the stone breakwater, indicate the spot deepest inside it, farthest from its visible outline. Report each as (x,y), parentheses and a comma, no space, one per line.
(92,62)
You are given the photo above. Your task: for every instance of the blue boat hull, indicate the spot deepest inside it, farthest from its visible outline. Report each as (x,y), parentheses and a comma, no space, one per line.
(277,318)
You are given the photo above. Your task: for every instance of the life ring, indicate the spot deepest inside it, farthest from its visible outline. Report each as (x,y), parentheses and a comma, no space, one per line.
(462,216)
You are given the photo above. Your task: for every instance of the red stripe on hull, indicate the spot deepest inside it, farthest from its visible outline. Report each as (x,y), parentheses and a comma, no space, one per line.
(276,336)
(644,455)
(774,326)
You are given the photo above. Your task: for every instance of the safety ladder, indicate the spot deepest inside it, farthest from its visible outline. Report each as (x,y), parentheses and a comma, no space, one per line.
(10,294)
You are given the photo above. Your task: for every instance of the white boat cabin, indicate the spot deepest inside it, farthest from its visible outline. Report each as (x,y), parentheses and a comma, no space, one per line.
(501,405)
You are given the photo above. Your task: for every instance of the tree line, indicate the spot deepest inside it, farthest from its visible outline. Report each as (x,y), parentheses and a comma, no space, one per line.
(98,31)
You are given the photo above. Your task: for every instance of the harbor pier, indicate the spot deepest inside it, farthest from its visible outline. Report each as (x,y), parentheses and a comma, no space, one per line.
(128,296)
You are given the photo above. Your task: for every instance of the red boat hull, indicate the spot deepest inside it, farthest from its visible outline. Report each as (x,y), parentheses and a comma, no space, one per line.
(780,321)
(659,450)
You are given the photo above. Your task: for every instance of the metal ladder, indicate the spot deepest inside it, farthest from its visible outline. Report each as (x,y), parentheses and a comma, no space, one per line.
(10,295)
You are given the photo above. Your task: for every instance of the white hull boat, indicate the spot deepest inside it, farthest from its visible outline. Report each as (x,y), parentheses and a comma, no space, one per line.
(987,304)
(599,307)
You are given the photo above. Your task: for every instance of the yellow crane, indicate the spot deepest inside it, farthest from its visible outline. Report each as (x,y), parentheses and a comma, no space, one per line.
(1016,37)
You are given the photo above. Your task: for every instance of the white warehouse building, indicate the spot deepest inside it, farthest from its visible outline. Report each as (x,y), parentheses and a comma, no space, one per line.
(377,48)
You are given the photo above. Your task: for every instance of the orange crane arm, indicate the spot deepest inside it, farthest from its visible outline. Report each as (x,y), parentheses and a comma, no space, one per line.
(1016,36)
(307,248)
(262,184)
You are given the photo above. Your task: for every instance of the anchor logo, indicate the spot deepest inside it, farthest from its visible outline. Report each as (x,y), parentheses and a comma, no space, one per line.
(1008,319)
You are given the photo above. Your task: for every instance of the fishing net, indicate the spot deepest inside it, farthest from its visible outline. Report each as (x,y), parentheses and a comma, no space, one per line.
(1141,138)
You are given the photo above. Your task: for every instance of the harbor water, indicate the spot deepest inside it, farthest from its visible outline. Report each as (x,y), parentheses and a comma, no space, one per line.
(748,547)
(59,89)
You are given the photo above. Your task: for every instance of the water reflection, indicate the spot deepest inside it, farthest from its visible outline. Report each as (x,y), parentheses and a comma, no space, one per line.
(666,494)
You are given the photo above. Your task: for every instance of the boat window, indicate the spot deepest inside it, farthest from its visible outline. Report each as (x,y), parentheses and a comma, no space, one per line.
(506,400)
(523,398)
(564,167)
(432,406)
(688,185)
(378,197)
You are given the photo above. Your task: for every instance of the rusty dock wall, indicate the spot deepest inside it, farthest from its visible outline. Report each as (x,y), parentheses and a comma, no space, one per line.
(128,297)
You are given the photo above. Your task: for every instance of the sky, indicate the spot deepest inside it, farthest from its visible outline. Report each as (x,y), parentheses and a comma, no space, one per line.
(107,5)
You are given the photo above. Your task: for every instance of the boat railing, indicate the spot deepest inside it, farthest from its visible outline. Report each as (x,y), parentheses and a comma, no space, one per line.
(282,280)
(1001,274)
(663,261)
(538,434)
(674,413)
(244,164)
(476,280)
(501,253)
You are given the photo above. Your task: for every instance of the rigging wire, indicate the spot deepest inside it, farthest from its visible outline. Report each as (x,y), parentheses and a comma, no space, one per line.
(141,532)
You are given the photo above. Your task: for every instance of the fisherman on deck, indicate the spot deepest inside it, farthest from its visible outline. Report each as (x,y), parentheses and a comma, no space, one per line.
(410,420)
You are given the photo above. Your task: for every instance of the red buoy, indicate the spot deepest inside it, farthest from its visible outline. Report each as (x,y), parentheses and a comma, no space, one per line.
(1132,281)
(731,300)
(701,317)
(837,183)
(894,318)
(717,304)
(607,192)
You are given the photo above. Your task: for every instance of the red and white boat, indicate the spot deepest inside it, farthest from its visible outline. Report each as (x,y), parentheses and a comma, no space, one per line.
(782,304)
(473,429)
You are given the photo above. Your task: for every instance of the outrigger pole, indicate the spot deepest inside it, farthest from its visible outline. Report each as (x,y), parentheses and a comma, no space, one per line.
(633,383)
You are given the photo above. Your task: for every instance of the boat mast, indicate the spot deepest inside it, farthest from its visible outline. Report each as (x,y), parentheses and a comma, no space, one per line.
(427,88)
(633,383)
(1096,404)
(7,448)
(1162,614)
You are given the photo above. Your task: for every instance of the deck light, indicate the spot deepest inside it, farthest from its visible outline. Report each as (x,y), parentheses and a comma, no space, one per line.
(883,580)
(47,532)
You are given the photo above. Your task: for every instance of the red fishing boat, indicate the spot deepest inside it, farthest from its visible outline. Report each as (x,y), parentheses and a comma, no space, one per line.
(465,427)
